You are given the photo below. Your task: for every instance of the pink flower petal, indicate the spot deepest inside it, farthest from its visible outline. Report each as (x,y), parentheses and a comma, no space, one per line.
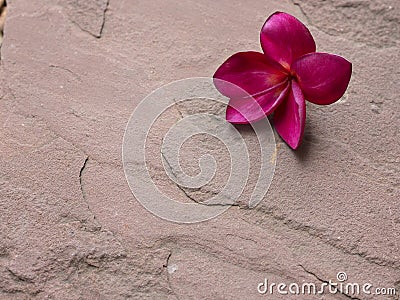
(248,110)
(284,38)
(290,117)
(322,77)
(247,73)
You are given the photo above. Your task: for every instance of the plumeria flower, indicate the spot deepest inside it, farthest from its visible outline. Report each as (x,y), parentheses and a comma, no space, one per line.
(281,79)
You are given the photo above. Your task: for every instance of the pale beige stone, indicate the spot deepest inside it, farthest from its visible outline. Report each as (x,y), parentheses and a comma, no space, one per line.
(70,228)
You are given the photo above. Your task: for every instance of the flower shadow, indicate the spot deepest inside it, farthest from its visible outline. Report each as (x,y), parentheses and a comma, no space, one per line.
(304,152)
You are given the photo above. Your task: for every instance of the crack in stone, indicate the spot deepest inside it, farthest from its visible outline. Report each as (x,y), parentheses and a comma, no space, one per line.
(66,69)
(316,233)
(98,226)
(313,274)
(295,3)
(225,254)
(187,193)
(3,12)
(168,275)
(104,19)
(80,176)
(94,32)
(177,185)
(327,282)
(19,277)
(103,22)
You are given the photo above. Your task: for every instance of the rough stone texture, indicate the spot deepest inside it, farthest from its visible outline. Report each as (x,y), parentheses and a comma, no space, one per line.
(87,15)
(71,74)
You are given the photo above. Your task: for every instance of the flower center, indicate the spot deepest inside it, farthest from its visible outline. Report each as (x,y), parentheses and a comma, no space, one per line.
(292,75)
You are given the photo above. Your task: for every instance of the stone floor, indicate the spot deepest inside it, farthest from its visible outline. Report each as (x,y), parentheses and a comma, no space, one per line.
(72,72)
